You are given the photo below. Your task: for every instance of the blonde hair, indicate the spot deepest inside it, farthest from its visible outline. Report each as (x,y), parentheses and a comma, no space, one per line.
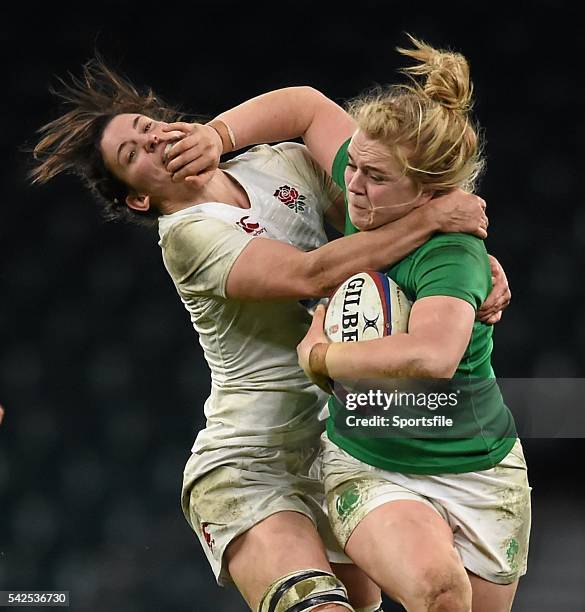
(426,123)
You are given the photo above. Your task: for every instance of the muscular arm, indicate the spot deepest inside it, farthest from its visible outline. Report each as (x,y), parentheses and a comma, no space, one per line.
(439,330)
(283,114)
(292,112)
(267,269)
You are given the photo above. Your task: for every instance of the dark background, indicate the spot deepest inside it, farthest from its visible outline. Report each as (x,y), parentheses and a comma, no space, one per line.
(101,374)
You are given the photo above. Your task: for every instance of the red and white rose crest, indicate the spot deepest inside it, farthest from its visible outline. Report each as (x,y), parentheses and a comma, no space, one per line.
(291,197)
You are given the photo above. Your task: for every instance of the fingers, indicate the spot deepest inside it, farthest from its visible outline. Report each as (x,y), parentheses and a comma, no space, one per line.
(181,153)
(181,126)
(480,233)
(200,179)
(492,310)
(319,316)
(187,166)
(491,319)
(193,154)
(495,302)
(173,135)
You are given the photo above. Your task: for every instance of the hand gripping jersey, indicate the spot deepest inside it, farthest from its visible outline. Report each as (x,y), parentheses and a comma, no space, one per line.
(259,396)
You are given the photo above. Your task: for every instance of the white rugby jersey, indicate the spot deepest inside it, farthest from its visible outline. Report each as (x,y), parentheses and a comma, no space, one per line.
(259,395)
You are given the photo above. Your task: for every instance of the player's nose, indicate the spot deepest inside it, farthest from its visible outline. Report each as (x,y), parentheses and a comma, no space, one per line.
(356,184)
(152,141)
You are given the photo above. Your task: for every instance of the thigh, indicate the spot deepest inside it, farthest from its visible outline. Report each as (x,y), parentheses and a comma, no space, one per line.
(489,514)
(280,544)
(406,547)
(229,501)
(491,597)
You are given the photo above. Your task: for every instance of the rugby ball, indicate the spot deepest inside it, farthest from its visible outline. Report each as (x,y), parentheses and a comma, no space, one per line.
(368,305)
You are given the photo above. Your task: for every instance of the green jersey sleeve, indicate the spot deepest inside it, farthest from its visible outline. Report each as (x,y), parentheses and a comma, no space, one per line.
(455,265)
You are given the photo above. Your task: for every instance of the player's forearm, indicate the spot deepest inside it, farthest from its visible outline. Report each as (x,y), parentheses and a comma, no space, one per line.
(377,249)
(399,356)
(282,114)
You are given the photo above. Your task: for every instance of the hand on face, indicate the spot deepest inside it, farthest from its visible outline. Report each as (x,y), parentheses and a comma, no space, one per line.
(195,157)
(133,147)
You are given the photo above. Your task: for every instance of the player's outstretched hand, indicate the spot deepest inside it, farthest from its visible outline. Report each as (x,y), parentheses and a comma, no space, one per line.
(195,157)
(461,212)
(315,336)
(500,296)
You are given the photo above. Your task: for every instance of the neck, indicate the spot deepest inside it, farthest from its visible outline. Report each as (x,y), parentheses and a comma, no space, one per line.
(220,188)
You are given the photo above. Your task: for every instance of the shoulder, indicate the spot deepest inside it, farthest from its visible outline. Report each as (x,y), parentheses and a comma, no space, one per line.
(461,244)
(189,241)
(453,265)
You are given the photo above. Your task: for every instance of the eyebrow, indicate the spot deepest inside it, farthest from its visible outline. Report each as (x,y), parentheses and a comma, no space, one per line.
(368,167)
(123,144)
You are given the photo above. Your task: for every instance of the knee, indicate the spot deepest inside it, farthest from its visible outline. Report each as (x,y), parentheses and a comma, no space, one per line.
(451,600)
(443,592)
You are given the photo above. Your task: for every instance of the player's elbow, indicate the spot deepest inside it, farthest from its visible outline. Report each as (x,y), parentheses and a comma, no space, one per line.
(434,363)
(430,361)
(317,281)
(309,95)
(322,284)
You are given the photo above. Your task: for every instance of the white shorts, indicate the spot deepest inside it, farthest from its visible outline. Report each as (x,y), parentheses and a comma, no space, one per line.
(488,511)
(249,487)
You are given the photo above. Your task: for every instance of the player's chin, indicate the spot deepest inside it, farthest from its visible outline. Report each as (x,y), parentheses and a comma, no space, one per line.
(361,217)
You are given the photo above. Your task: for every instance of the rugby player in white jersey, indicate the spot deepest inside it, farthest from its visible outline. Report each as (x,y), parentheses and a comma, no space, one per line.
(242,244)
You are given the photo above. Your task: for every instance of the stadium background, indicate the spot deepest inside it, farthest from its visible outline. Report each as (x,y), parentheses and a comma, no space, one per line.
(100,373)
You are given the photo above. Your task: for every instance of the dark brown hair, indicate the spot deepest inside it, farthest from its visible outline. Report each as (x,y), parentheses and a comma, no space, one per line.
(71,143)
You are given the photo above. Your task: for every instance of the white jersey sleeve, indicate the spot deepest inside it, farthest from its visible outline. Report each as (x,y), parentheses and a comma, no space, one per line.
(199,253)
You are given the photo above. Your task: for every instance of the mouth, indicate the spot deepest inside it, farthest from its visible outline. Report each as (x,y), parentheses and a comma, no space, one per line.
(357,206)
(166,151)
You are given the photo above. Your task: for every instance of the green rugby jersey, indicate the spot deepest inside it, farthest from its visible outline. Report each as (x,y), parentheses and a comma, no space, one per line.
(453,265)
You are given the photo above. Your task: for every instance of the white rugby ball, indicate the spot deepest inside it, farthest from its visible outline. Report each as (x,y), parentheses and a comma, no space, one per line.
(368,305)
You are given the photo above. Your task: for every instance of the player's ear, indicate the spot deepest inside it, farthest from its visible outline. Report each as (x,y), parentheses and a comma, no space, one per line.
(141,203)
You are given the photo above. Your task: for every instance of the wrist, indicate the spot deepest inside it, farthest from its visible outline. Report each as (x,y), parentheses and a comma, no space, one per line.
(225,133)
(429,218)
(317,359)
